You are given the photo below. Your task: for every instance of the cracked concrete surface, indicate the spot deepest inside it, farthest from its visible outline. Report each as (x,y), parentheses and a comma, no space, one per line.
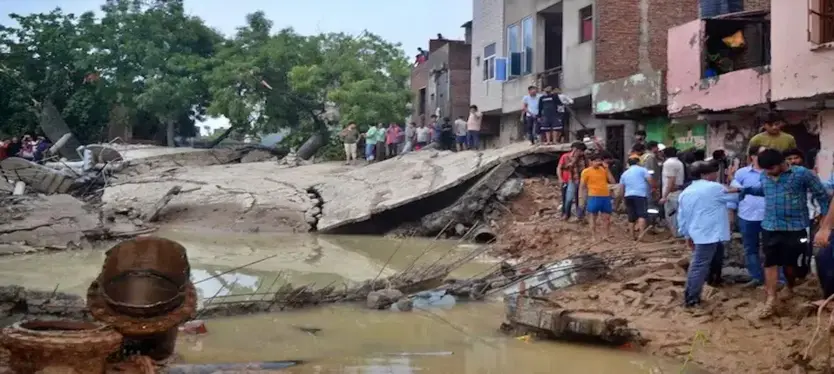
(54,221)
(264,196)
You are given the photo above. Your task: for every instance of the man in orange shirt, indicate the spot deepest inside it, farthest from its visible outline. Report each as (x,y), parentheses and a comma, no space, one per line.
(596,179)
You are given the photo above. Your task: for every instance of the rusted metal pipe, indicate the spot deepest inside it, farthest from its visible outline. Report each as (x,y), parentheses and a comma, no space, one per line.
(59,346)
(144,291)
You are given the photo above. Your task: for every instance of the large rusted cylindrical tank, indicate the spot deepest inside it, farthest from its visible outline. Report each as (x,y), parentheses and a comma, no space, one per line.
(59,346)
(145,276)
(144,291)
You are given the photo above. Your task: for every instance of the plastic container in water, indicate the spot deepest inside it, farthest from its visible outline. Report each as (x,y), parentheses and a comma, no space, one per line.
(714,8)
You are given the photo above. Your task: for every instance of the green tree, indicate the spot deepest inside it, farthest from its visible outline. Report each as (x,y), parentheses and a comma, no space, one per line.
(149,65)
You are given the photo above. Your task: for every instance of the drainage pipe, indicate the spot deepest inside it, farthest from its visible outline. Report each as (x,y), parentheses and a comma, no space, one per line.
(483,234)
(59,346)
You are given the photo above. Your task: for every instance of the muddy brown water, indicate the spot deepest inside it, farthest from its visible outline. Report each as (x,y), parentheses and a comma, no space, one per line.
(349,339)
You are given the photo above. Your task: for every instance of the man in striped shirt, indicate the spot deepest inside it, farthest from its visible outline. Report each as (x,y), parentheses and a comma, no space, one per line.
(784,237)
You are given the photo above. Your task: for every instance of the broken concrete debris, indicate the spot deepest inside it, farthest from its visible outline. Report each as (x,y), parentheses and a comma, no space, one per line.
(466,209)
(382,299)
(535,315)
(558,275)
(510,189)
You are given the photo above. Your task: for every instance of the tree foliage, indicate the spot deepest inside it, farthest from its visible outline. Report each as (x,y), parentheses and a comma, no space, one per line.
(149,66)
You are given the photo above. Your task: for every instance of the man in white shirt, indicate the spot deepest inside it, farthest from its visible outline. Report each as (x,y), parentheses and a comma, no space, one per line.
(423,135)
(460,133)
(672,178)
(530,112)
(473,128)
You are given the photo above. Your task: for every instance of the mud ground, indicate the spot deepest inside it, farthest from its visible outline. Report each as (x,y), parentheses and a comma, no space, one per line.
(646,284)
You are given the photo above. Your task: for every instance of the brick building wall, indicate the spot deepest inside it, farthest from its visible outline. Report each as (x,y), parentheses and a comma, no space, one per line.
(460,57)
(419,79)
(631,35)
(448,90)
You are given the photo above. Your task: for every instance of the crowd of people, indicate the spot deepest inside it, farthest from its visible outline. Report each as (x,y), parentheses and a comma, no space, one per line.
(381,142)
(774,198)
(27,147)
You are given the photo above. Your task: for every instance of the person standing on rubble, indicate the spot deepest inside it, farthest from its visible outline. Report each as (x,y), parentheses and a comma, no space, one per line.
(635,186)
(784,236)
(473,128)
(673,176)
(751,210)
(702,220)
(530,112)
(574,163)
(460,134)
(410,137)
(370,143)
(595,179)
(551,113)
(349,137)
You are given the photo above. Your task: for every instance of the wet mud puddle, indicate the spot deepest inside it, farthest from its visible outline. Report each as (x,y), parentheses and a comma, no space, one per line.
(459,338)
(347,339)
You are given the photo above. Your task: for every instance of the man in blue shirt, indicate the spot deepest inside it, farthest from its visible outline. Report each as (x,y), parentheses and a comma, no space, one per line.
(530,112)
(751,211)
(784,238)
(635,186)
(704,220)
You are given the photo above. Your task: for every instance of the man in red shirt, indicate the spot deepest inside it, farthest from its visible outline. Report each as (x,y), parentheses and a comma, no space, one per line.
(565,176)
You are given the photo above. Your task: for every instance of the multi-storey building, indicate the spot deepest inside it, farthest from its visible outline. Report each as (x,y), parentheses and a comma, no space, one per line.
(774,56)
(608,55)
(440,84)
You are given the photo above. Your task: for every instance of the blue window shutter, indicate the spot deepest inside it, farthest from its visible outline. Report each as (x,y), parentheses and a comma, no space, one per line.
(501,69)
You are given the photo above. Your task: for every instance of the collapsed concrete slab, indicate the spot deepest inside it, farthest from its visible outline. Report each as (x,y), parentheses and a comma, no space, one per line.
(54,221)
(264,196)
(466,208)
(237,197)
(360,193)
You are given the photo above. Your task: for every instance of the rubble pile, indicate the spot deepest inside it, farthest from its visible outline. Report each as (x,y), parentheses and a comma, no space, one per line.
(644,286)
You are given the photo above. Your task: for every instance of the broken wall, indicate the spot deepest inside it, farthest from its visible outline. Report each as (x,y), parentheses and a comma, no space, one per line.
(688,93)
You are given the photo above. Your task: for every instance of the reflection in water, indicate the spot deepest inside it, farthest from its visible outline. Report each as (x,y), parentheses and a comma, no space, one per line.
(298,259)
(462,340)
(347,340)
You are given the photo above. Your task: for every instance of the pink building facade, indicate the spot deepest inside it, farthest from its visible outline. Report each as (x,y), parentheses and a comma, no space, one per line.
(723,71)
(691,93)
(802,67)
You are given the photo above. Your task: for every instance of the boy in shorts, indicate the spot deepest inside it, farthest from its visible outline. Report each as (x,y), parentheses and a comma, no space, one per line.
(595,179)
(784,236)
(635,184)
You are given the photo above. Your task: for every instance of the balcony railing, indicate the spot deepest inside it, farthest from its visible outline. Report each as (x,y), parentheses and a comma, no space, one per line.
(552,77)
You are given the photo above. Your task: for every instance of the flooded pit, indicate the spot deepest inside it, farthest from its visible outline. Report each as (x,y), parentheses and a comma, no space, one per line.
(297,259)
(349,339)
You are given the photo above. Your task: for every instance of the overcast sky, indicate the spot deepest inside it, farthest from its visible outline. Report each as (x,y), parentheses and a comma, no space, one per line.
(410,22)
